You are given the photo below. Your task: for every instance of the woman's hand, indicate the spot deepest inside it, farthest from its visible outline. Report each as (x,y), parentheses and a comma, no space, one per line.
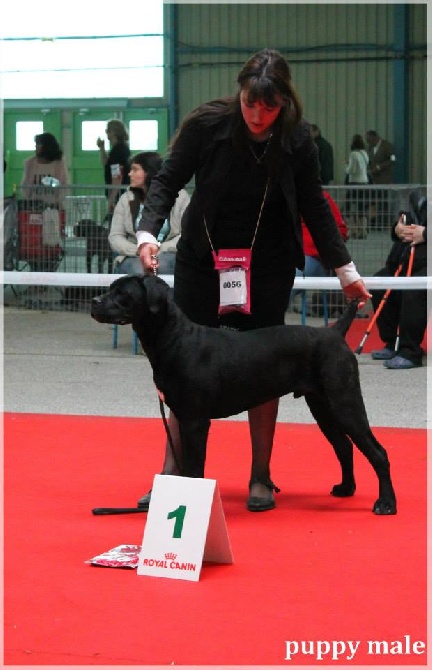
(116,180)
(357,290)
(148,255)
(413,234)
(400,226)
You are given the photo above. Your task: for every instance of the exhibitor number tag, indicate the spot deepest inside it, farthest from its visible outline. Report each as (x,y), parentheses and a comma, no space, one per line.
(233,290)
(233,266)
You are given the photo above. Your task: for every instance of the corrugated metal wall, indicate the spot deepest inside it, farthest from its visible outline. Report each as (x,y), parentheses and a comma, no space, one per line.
(342,61)
(418,130)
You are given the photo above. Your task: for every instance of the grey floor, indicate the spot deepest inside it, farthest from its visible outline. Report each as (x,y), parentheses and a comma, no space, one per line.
(63,362)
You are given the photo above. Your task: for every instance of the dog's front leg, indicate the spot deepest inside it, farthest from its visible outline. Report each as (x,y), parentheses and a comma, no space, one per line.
(194,433)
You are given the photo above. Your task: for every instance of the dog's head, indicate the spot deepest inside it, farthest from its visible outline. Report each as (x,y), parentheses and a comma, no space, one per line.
(132,299)
(85,228)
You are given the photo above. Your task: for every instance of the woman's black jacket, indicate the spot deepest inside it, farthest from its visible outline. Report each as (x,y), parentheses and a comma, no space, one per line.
(205,151)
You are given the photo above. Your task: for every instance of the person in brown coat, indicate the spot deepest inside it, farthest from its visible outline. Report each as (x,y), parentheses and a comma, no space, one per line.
(381,160)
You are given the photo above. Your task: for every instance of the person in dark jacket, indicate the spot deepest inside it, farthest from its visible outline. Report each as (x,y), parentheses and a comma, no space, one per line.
(325,155)
(403,318)
(256,173)
(115,162)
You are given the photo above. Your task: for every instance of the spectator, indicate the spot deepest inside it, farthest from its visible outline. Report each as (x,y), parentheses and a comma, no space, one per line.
(357,174)
(116,161)
(41,242)
(325,155)
(403,319)
(314,267)
(381,160)
(127,216)
(256,170)
(46,165)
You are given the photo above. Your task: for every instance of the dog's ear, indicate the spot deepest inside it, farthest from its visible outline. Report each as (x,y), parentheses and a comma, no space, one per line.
(157,293)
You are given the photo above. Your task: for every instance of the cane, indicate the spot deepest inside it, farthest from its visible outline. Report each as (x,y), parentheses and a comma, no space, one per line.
(377,313)
(408,274)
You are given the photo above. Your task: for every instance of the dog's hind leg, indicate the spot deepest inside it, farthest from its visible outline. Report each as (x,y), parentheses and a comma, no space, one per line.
(342,391)
(194,433)
(375,453)
(341,444)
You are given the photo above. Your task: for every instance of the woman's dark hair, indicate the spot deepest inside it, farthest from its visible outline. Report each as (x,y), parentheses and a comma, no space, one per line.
(267,77)
(119,129)
(357,143)
(151,163)
(50,150)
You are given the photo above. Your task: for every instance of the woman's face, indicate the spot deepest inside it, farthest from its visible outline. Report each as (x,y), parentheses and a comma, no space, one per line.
(112,137)
(137,176)
(258,117)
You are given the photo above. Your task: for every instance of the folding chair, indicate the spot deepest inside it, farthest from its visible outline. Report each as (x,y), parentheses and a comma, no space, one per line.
(41,234)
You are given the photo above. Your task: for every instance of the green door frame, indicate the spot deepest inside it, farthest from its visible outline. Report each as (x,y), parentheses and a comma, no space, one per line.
(52,123)
(86,165)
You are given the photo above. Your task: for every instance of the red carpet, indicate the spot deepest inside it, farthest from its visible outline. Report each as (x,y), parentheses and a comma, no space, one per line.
(315,569)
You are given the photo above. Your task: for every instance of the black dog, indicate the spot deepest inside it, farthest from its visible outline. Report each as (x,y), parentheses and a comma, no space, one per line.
(208,373)
(97,244)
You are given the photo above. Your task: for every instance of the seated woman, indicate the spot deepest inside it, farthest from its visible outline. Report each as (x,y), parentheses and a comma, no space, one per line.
(314,266)
(127,216)
(403,315)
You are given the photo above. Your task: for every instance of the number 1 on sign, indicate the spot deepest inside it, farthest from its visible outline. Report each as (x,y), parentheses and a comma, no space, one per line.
(179,516)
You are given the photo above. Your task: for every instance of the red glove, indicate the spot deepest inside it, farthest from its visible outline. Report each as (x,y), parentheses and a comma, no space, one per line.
(357,290)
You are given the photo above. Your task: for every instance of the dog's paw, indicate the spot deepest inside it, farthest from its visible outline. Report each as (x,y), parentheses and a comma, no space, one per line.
(343,490)
(384,507)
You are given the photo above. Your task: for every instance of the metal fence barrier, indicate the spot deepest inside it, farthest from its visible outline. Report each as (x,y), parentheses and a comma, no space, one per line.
(61,235)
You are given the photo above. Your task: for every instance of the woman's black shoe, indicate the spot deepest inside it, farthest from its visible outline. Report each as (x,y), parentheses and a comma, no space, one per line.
(259,504)
(144,502)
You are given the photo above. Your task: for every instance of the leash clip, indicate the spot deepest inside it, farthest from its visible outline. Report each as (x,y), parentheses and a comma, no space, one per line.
(154,258)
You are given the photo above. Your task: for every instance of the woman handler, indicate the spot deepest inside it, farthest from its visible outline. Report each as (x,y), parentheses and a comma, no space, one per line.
(256,173)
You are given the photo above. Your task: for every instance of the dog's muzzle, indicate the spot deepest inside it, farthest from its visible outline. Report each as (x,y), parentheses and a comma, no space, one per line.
(103,313)
(97,310)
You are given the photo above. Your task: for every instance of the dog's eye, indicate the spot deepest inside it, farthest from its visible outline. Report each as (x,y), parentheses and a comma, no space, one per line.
(122,300)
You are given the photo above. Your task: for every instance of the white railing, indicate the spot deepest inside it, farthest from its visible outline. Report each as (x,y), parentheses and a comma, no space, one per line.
(302,283)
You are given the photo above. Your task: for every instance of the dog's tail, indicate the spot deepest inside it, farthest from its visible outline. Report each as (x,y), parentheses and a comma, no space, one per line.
(344,322)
